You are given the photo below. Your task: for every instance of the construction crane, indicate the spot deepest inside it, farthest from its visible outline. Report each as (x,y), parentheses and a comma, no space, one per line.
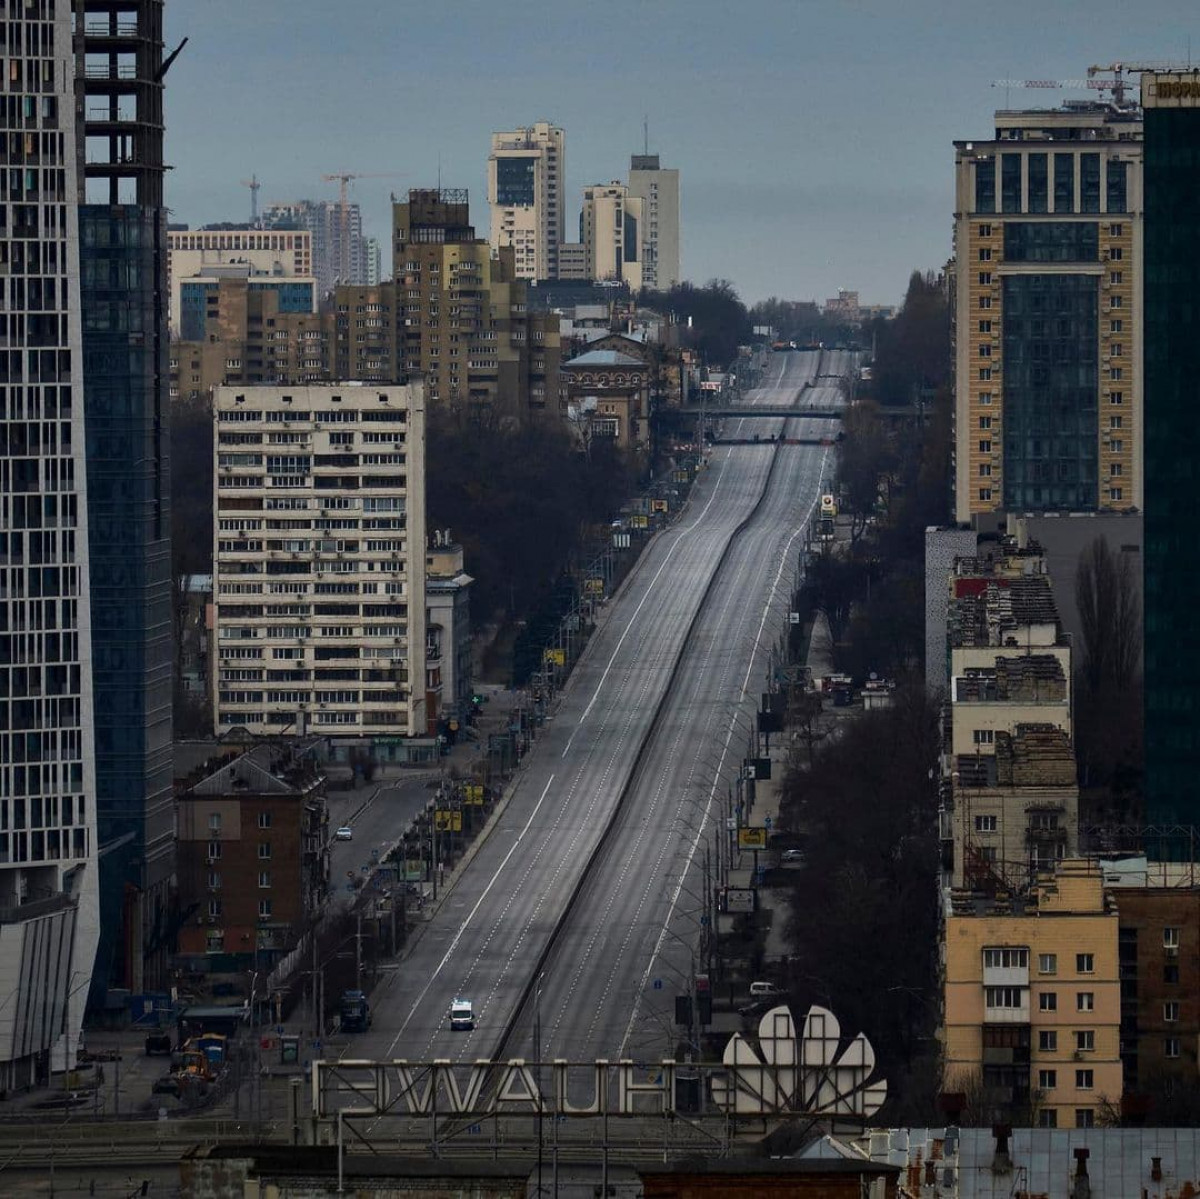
(253,184)
(343,178)
(1120,69)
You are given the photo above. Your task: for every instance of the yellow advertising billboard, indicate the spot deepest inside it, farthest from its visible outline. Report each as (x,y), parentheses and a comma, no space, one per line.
(448,822)
(473,793)
(752,838)
(557,657)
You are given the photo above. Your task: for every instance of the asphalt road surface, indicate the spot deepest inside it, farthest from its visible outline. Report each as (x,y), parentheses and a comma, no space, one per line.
(604,740)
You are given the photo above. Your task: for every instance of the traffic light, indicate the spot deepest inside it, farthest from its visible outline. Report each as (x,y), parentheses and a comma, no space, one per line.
(683,1011)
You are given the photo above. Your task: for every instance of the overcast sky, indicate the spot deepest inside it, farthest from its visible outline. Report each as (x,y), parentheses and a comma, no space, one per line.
(813,138)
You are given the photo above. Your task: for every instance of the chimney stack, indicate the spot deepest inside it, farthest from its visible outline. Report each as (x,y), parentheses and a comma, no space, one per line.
(1082,1187)
(1156,1169)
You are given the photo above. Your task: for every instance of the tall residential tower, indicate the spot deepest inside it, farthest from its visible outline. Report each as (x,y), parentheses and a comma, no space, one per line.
(48,853)
(1048,236)
(658,189)
(526,177)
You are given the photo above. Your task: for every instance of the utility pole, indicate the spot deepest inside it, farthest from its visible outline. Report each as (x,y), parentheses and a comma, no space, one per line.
(358,952)
(537,1065)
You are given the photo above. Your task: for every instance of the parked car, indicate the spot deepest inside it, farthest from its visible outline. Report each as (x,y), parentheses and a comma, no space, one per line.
(765,990)
(793,855)
(345,833)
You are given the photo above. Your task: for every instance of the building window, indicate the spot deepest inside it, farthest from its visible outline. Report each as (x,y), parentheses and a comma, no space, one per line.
(1084,1079)
(264,878)
(1170,938)
(1116,445)
(264,849)
(1116,422)
(985,231)
(1047,963)
(985,351)
(214,908)
(1085,963)
(985,470)
(1085,1040)
(985,301)
(1048,1118)
(985,397)
(1047,1080)
(214,850)
(1007,959)
(985,278)
(984,736)
(214,880)
(1085,1117)
(1004,997)
(1116,397)
(985,446)
(1047,1041)
(214,822)
(987,824)
(1171,1011)
(1116,254)
(1116,230)
(985,374)
(1116,325)
(264,820)
(264,907)
(1171,972)
(985,422)
(1171,1047)
(985,495)
(1085,1001)
(1115,493)
(985,254)
(1048,1001)
(1116,302)
(985,326)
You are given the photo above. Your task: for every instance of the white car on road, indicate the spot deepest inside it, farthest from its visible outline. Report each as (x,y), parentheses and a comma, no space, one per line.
(345,833)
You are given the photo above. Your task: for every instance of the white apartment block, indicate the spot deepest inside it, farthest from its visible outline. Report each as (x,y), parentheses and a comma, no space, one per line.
(191,252)
(49,922)
(612,233)
(319,563)
(658,189)
(526,177)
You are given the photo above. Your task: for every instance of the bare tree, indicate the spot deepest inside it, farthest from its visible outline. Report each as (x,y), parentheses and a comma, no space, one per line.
(1110,612)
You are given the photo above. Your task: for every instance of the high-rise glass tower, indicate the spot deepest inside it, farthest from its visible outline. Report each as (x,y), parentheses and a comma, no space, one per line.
(48,847)
(123,267)
(1171,102)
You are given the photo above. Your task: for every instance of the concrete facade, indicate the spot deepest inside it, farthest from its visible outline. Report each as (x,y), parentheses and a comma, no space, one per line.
(658,189)
(1048,233)
(526,180)
(1033,999)
(319,554)
(612,226)
(448,599)
(283,253)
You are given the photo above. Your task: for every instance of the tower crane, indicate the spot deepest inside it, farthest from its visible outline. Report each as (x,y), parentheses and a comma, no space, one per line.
(343,178)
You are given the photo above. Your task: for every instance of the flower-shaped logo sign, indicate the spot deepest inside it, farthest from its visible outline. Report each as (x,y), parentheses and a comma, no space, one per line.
(814,1073)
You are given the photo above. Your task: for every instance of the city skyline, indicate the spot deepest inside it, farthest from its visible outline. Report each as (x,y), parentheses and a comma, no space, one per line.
(767,95)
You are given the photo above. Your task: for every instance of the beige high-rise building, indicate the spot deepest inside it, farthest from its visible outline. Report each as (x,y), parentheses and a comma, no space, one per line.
(1047,313)
(463,314)
(526,177)
(658,189)
(612,234)
(1033,1000)
(200,252)
(319,563)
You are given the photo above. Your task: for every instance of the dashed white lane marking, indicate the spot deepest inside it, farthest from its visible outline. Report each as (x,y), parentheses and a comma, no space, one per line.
(463,927)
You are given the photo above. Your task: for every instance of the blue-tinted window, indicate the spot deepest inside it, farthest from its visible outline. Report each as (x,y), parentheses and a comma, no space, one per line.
(1051,241)
(193,301)
(1064,183)
(1089,183)
(514,181)
(1051,382)
(1010,182)
(1116,199)
(985,185)
(1038,183)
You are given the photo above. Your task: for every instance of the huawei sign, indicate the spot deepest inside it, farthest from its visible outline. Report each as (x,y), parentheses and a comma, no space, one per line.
(812,1073)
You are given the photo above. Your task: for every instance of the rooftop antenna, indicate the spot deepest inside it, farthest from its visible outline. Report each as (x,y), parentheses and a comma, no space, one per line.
(439,172)
(646,135)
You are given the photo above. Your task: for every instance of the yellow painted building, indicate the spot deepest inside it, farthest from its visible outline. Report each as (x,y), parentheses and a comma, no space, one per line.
(1047,313)
(1033,999)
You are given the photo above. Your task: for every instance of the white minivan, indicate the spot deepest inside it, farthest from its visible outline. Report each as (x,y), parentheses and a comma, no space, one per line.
(764,990)
(462,1016)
